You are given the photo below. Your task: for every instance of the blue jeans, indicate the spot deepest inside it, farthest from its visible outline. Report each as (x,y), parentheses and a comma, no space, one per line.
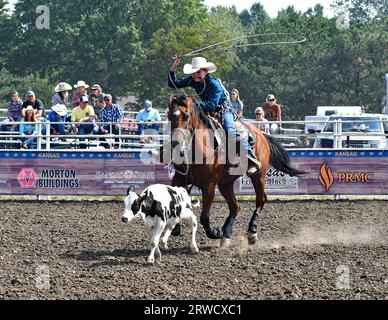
(86,128)
(229,125)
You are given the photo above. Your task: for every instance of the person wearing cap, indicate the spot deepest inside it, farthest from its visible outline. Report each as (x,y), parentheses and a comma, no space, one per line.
(100,105)
(58,114)
(61,94)
(82,117)
(272,110)
(148,114)
(237,104)
(95,96)
(81,87)
(213,99)
(14,113)
(112,112)
(36,104)
(28,131)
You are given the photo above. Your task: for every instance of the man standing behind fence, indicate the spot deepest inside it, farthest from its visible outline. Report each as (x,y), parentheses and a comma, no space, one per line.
(149,114)
(111,113)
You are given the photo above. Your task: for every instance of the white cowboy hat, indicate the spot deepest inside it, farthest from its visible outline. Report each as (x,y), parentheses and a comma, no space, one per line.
(197,64)
(60,109)
(28,108)
(63,86)
(81,84)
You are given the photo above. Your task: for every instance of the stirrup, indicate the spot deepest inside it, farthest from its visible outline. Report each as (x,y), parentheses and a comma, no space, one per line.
(254,166)
(255,161)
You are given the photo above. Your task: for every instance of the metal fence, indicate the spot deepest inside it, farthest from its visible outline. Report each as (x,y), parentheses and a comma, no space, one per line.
(292,134)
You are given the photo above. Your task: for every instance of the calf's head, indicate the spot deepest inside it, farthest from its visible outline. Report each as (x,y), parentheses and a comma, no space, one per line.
(132,205)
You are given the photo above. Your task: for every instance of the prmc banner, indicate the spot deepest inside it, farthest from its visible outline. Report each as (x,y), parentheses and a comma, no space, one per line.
(91,173)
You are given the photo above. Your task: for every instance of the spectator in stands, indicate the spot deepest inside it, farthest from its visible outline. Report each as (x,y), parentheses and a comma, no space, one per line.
(149,114)
(36,104)
(58,114)
(111,113)
(272,111)
(95,96)
(29,131)
(81,87)
(99,104)
(264,125)
(129,126)
(14,113)
(84,117)
(237,104)
(61,94)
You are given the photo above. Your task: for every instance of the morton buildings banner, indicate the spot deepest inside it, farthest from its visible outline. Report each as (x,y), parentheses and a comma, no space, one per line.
(84,173)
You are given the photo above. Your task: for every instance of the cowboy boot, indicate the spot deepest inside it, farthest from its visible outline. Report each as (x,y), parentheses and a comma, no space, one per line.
(254,164)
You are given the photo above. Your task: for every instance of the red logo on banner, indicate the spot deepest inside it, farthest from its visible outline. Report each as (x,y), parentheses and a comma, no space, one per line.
(27,178)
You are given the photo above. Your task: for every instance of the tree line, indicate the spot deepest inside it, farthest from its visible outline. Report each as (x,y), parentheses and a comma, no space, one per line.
(126,45)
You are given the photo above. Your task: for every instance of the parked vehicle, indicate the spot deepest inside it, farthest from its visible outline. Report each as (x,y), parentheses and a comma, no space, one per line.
(364,130)
(323,115)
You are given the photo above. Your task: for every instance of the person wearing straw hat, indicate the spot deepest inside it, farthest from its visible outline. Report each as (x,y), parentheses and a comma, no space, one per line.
(61,94)
(213,99)
(28,131)
(58,114)
(81,87)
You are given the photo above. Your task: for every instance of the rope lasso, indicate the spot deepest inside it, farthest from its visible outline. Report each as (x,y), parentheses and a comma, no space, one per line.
(204,50)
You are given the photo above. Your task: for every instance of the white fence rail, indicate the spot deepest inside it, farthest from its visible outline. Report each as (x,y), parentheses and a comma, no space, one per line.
(291,134)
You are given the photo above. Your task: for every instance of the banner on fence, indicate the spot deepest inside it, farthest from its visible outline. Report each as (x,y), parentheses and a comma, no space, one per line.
(89,173)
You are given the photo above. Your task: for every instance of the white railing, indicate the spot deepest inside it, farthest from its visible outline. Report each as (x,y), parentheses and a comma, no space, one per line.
(291,134)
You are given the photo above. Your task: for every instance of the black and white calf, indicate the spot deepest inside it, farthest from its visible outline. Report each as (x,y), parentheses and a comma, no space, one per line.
(161,208)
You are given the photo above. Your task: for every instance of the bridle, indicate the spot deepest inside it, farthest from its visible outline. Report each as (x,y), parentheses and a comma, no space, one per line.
(187,133)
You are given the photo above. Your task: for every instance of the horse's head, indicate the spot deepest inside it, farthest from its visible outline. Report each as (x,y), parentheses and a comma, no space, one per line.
(182,117)
(179,111)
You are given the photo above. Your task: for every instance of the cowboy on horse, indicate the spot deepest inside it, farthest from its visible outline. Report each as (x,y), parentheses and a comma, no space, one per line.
(213,99)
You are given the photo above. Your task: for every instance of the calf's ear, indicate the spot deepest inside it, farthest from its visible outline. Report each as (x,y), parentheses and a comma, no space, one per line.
(131,189)
(147,199)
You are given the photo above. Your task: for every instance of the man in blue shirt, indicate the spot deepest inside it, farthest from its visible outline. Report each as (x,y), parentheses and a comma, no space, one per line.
(148,114)
(213,97)
(111,113)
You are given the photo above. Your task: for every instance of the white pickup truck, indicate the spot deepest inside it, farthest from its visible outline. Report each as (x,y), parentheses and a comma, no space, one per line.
(324,113)
(364,130)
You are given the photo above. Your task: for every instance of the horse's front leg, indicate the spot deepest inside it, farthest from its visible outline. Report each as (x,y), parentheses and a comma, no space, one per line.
(259,185)
(207,199)
(228,193)
(178,181)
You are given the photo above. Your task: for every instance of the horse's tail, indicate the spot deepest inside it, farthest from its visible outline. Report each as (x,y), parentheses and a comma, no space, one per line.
(279,158)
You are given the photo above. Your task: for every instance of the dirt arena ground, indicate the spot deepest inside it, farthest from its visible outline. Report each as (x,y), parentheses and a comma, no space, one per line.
(306,250)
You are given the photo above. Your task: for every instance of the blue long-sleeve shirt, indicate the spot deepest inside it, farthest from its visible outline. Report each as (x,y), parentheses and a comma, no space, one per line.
(211,92)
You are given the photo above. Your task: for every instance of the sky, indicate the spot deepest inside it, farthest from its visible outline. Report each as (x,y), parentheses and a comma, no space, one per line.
(273,6)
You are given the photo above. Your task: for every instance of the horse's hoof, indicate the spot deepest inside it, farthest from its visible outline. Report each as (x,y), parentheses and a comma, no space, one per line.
(214,234)
(194,250)
(252,237)
(225,242)
(164,247)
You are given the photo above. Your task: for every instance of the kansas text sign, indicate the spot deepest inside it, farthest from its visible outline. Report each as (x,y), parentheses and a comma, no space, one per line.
(350,172)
